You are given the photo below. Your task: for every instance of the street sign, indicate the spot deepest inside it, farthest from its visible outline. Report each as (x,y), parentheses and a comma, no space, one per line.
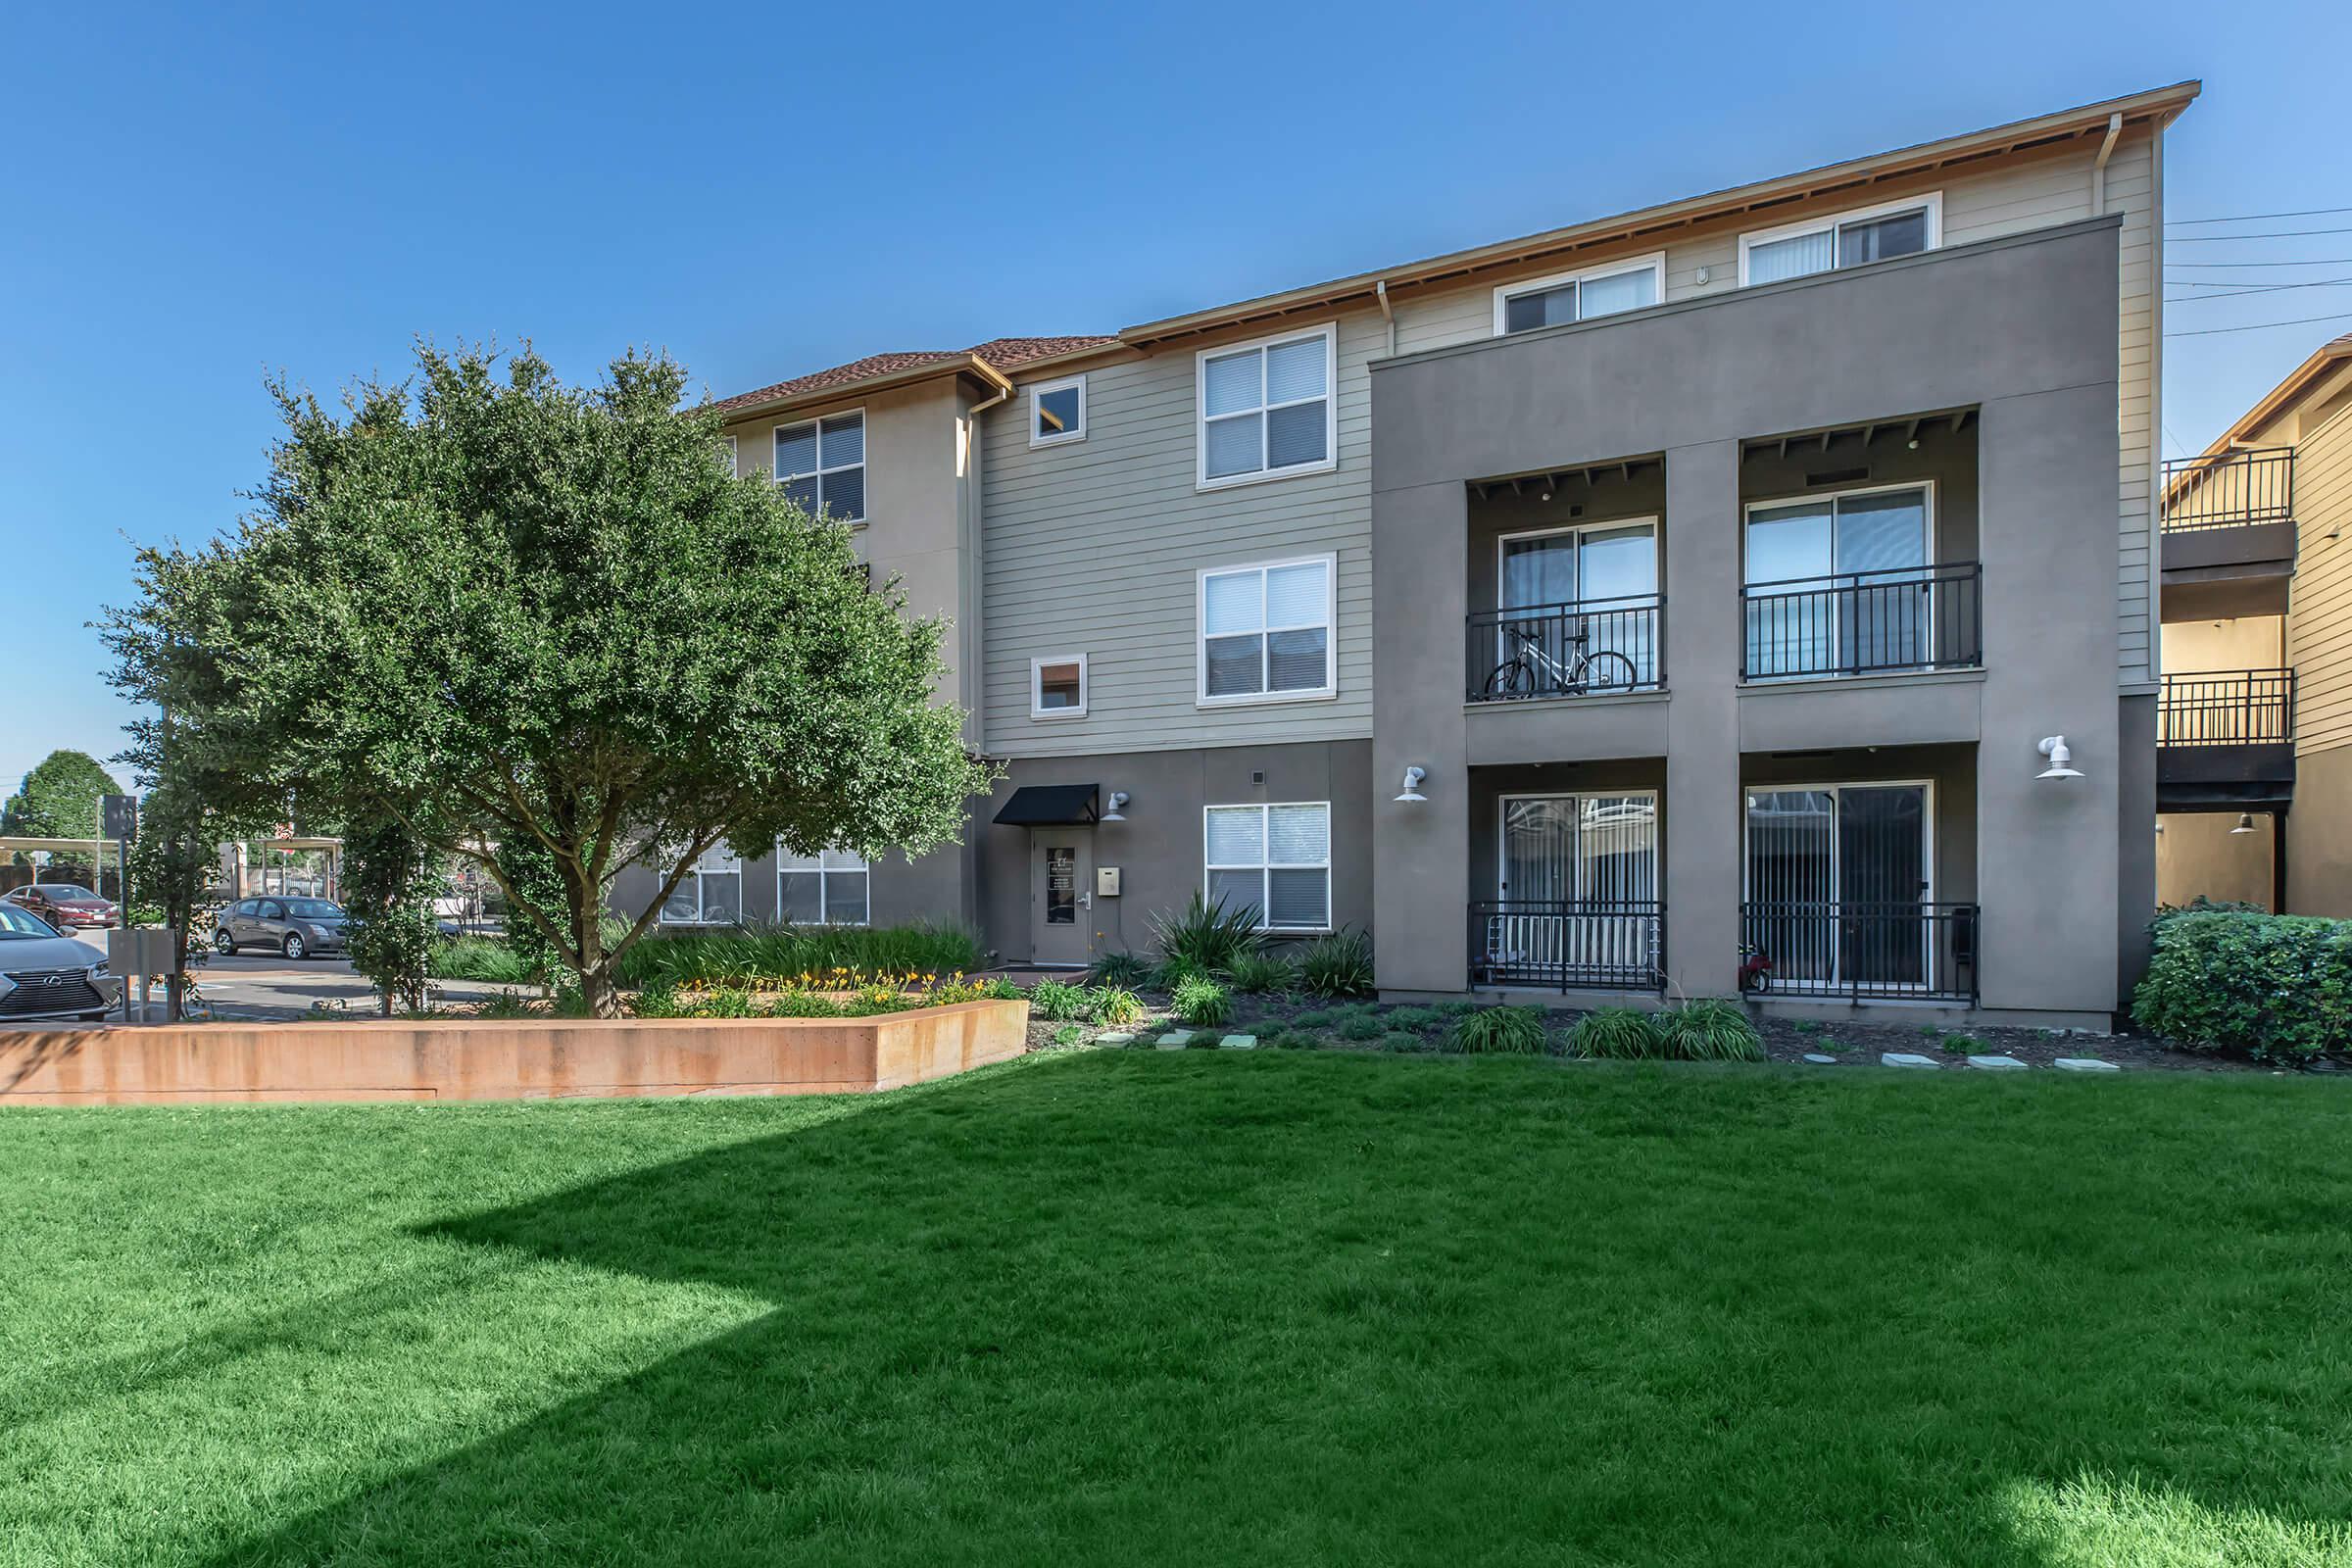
(121,815)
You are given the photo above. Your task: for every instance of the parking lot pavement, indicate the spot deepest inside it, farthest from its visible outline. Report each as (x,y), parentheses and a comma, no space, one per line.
(263,986)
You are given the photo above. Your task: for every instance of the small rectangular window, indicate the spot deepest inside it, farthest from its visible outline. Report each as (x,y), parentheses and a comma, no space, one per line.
(1837,240)
(834,887)
(1272,860)
(1265,632)
(821,465)
(1266,409)
(1057,412)
(1058,687)
(711,894)
(1605,290)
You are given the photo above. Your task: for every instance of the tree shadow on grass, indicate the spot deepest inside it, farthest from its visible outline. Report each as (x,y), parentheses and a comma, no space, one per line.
(1147,1308)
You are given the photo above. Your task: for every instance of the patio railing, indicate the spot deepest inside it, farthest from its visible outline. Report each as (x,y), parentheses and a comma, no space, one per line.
(1880,952)
(1579,944)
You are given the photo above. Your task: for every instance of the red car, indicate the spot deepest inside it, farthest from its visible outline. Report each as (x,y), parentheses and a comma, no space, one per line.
(64,906)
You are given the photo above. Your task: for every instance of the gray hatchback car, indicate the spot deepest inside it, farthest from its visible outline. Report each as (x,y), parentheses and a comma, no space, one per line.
(295,927)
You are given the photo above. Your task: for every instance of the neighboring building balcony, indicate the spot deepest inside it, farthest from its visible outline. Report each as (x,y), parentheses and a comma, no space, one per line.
(2226,740)
(2229,533)
(1580,647)
(1861,952)
(1568,945)
(1884,622)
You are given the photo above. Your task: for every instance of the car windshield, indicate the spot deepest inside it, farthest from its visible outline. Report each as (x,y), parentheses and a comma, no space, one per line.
(67,892)
(313,909)
(17,925)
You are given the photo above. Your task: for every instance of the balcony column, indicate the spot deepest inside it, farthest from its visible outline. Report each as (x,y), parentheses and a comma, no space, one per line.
(1420,849)
(1702,636)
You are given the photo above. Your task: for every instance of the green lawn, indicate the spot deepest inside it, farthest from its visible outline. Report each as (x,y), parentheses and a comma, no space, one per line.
(1195,1307)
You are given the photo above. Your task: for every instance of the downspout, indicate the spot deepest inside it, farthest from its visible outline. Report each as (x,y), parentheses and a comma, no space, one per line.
(2099,166)
(973,676)
(1379,292)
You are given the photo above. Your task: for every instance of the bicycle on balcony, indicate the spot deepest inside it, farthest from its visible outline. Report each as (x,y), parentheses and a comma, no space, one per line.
(1532,672)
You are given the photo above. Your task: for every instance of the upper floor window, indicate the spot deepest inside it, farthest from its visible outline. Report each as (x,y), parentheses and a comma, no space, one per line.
(711,894)
(1627,285)
(821,465)
(1058,687)
(726,453)
(1842,239)
(1265,632)
(1057,412)
(1266,408)
(834,887)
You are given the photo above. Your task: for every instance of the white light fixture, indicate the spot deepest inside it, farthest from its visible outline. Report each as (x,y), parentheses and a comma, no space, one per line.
(2054,748)
(2245,823)
(1412,784)
(1118,799)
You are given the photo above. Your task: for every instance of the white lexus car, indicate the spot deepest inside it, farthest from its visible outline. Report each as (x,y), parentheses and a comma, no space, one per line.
(44,975)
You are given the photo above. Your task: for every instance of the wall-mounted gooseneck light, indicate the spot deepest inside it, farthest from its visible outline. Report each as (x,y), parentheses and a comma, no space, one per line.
(1119,803)
(2061,766)
(2245,823)
(1412,784)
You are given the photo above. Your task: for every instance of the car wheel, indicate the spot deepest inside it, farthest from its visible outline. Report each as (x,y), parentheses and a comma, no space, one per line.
(224,942)
(295,947)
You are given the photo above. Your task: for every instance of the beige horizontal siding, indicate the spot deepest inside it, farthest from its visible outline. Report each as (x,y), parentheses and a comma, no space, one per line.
(2320,621)
(1095,547)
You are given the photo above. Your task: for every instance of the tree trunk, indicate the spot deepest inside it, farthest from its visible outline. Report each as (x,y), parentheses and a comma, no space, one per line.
(602,996)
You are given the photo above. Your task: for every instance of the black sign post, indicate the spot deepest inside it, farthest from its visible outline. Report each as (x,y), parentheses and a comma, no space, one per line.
(118,820)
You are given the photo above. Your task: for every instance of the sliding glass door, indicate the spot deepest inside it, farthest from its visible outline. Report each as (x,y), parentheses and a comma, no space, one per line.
(1569,593)
(1839,886)
(1577,895)
(1839,584)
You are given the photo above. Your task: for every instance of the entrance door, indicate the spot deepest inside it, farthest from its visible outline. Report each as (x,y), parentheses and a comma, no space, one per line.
(1062,900)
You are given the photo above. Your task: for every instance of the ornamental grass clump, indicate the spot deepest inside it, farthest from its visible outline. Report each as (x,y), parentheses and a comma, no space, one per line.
(1620,1034)
(1498,1031)
(1115,1006)
(1259,973)
(1057,1002)
(1202,1000)
(1204,939)
(1709,1030)
(1337,966)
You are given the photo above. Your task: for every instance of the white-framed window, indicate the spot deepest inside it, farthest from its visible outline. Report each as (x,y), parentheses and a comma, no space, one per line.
(1057,412)
(727,455)
(1057,686)
(821,465)
(1842,239)
(711,894)
(834,887)
(1266,408)
(1265,632)
(1272,860)
(1621,285)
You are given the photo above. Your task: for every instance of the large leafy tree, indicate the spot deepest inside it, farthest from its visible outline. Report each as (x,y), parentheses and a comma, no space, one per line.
(59,799)
(501,609)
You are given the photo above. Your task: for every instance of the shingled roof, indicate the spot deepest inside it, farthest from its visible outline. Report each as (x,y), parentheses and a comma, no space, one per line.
(999,353)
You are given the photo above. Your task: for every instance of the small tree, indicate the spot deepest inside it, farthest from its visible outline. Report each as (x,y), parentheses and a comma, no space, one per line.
(59,799)
(389,878)
(507,611)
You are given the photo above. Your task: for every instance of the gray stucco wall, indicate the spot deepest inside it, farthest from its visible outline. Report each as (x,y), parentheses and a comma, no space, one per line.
(2024,331)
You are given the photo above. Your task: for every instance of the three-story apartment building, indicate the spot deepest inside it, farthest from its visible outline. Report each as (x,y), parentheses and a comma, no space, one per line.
(1767,571)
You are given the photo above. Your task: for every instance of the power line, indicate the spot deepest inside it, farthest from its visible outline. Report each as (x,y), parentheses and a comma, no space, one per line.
(2263,327)
(2316,261)
(2273,233)
(2255,218)
(2242,290)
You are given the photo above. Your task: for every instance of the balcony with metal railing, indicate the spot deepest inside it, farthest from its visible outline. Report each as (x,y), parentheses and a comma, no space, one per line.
(2226,740)
(1865,623)
(1568,945)
(1583,648)
(1856,951)
(2229,533)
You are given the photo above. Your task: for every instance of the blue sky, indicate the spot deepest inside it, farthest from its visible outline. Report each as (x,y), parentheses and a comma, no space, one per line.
(197,196)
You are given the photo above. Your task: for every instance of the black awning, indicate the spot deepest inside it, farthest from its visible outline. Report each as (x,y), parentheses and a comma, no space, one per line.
(1049,805)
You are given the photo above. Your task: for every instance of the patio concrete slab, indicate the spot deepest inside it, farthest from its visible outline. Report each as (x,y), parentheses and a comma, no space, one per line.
(2084,1065)
(1905,1059)
(1997,1065)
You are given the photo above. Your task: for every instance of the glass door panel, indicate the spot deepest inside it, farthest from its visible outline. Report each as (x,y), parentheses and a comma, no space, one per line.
(1883,622)
(1620,565)
(1792,548)
(1881,880)
(1792,881)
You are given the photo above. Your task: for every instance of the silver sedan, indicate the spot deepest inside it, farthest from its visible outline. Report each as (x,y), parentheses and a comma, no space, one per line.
(45,975)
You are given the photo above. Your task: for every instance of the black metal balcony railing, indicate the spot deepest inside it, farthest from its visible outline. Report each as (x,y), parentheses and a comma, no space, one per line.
(1581,944)
(1580,647)
(2229,489)
(1865,622)
(2227,707)
(1883,951)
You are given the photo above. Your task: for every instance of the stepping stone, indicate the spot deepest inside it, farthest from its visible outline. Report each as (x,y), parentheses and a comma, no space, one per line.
(1176,1041)
(1237,1043)
(1821,1059)
(1997,1063)
(1114,1039)
(2084,1065)
(1905,1059)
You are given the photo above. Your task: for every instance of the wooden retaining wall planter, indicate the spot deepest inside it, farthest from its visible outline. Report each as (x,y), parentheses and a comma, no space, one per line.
(467,1058)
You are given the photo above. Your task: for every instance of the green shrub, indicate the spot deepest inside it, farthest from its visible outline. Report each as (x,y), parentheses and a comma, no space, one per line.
(1709,1030)
(1115,1006)
(1511,1031)
(1808,1026)
(1070,1034)
(1337,966)
(1129,969)
(786,953)
(1054,1002)
(1293,1039)
(1311,1019)
(1402,1039)
(489,959)
(1623,1033)
(1459,1009)
(1204,939)
(1360,1027)
(1198,999)
(1261,972)
(2274,986)
(800,1004)
(1203,1040)
(1957,1045)
(1415,1018)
